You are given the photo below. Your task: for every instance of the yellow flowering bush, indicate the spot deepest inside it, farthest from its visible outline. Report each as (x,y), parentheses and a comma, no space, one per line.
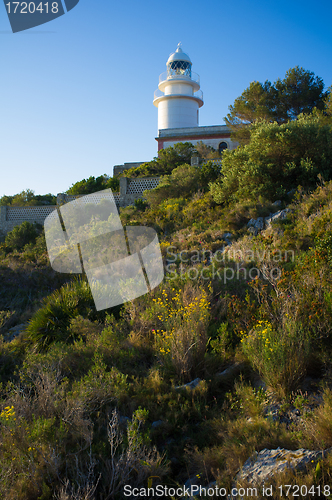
(280,355)
(8,415)
(184,315)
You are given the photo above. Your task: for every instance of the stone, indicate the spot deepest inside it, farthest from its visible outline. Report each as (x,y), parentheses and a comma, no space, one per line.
(231,372)
(124,420)
(262,466)
(255,225)
(190,385)
(14,332)
(282,214)
(156,424)
(192,481)
(227,238)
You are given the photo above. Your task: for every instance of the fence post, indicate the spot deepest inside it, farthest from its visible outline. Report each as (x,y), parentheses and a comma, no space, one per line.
(3,218)
(123,186)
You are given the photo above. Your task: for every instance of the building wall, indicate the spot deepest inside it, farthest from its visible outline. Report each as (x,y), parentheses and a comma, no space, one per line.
(130,190)
(209,135)
(213,142)
(13,216)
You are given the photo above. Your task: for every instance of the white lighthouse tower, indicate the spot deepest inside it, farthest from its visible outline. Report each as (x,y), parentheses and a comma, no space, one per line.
(178,97)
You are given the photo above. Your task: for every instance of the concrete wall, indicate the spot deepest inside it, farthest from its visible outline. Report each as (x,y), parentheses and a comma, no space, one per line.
(130,190)
(14,216)
(118,169)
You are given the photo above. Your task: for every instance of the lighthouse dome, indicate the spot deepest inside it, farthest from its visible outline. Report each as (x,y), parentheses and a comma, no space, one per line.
(178,64)
(179,55)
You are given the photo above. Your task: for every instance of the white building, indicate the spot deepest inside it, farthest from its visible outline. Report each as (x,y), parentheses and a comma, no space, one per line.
(178,100)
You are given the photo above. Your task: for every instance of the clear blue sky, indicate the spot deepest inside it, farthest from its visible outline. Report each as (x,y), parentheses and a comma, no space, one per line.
(76,93)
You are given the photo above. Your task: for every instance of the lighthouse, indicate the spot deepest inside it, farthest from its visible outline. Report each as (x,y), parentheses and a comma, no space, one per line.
(178,97)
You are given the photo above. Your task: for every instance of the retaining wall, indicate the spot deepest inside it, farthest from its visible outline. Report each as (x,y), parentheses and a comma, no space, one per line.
(13,216)
(130,190)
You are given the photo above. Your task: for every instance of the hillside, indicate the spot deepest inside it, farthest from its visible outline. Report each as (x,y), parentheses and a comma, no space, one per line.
(229,356)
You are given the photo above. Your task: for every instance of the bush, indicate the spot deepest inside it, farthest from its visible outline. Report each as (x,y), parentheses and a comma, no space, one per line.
(277,159)
(21,235)
(94,184)
(168,159)
(51,323)
(280,355)
(182,182)
(182,339)
(320,422)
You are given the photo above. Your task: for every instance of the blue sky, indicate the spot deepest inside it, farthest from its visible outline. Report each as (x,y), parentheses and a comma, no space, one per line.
(76,93)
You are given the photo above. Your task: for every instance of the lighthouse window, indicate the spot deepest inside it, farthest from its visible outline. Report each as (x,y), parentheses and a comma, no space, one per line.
(222,146)
(179,68)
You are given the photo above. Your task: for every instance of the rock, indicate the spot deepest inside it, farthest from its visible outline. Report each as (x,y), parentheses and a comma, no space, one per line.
(231,372)
(258,383)
(192,481)
(256,225)
(277,203)
(263,465)
(190,385)
(124,421)
(156,424)
(282,214)
(14,332)
(227,237)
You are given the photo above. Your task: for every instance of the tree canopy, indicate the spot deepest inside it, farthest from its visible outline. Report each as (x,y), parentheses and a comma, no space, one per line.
(277,159)
(28,198)
(167,160)
(94,184)
(299,92)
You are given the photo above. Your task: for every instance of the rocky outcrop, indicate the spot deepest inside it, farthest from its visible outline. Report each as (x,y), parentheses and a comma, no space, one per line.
(228,375)
(280,215)
(256,225)
(262,466)
(191,385)
(14,332)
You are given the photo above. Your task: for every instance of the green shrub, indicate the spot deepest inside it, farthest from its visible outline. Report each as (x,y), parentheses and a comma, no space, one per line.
(51,323)
(181,341)
(21,235)
(94,184)
(280,355)
(277,159)
(184,181)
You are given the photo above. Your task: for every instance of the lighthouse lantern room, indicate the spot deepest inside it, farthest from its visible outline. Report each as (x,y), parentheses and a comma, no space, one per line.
(178,97)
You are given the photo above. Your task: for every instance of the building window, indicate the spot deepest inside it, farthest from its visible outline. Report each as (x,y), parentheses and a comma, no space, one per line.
(222,146)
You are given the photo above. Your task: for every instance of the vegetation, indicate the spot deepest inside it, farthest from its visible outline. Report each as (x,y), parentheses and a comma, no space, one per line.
(27,198)
(299,92)
(277,159)
(94,184)
(167,160)
(91,401)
